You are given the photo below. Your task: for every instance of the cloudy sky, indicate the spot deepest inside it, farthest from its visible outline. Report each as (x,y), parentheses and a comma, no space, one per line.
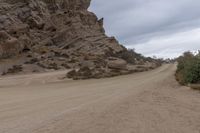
(164,28)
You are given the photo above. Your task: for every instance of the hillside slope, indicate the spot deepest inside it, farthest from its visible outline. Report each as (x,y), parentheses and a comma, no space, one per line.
(60,34)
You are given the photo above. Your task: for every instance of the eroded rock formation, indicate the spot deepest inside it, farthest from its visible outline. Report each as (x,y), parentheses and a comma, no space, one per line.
(58,34)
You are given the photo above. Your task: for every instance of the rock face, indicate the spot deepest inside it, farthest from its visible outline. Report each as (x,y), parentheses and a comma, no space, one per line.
(57,34)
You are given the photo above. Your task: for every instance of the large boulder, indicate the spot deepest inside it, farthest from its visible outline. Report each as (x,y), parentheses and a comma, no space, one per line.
(116,63)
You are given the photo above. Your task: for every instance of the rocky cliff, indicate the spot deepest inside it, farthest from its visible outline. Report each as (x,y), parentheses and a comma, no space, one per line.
(59,34)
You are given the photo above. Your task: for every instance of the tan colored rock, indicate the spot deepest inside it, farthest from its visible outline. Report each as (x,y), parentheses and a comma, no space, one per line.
(116,63)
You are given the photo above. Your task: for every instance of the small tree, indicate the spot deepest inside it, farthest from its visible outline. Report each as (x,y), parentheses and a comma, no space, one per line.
(188,69)
(192,71)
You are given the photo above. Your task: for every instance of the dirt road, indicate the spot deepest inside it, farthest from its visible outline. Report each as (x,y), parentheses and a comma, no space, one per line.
(148,102)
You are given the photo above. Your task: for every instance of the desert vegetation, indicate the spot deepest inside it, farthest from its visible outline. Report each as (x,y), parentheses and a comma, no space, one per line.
(188,69)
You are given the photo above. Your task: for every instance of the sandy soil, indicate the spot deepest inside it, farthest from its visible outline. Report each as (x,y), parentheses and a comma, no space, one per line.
(148,102)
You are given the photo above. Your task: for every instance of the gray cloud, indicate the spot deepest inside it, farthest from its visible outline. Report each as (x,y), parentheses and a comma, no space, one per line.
(137,22)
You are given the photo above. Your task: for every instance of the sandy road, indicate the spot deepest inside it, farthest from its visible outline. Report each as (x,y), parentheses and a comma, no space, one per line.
(149,102)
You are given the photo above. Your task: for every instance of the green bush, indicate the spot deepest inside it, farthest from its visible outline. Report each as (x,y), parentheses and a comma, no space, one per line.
(192,71)
(188,69)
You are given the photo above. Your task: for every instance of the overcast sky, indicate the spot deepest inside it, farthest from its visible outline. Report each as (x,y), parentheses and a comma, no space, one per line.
(164,28)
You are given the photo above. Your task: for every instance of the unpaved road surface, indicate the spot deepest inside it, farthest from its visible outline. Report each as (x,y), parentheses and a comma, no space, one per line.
(148,102)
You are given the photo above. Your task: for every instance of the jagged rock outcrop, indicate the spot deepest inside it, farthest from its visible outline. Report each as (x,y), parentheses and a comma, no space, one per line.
(58,34)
